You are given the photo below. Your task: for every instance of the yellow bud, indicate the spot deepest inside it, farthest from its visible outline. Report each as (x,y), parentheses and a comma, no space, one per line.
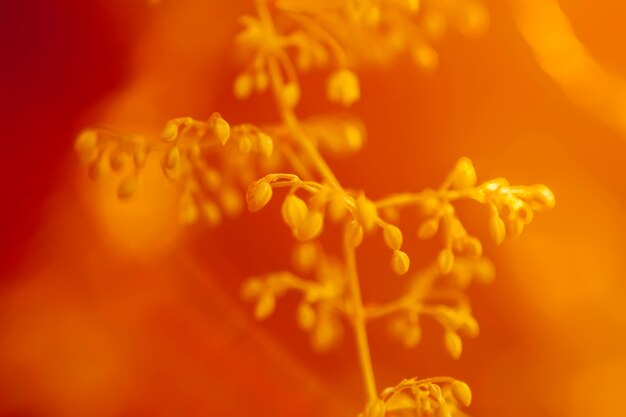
(412,336)
(86,143)
(462,393)
(515,226)
(325,333)
(311,227)
(337,208)
(188,212)
(343,87)
(231,201)
(305,256)
(266,145)
(464,174)
(222,130)
(392,236)
(400,262)
(366,212)
(497,230)
(375,408)
(428,229)
(473,246)
(170,132)
(127,187)
(211,179)
(172,158)
(294,211)
(353,234)
(264,307)
(445,260)
(453,344)
(245,144)
(261,80)
(542,197)
(258,195)
(425,57)
(306,316)
(243,86)
(211,212)
(291,94)
(139,158)
(354,137)
(251,288)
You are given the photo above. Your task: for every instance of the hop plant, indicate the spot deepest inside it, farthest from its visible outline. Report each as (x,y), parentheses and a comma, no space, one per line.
(219,167)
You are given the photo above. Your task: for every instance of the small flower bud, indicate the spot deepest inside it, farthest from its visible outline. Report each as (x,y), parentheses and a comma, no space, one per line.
(172,158)
(464,175)
(170,132)
(294,211)
(222,130)
(343,87)
(306,316)
(453,344)
(366,212)
(264,307)
(445,260)
(127,187)
(392,236)
(428,229)
(311,227)
(86,143)
(400,262)
(462,393)
(497,230)
(291,94)
(266,145)
(243,86)
(258,195)
(354,234)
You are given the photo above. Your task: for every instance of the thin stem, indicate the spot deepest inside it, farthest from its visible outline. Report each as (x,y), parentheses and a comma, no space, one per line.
(358,318)
(289,118)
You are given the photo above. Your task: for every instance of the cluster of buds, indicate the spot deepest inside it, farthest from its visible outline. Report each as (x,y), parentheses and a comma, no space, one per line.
(322,294)
(125,154)
(433,397)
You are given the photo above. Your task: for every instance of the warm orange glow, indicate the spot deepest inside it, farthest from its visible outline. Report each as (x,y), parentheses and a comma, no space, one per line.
(112,307)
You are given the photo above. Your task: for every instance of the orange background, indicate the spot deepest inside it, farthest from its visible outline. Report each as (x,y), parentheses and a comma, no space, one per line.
(113,309)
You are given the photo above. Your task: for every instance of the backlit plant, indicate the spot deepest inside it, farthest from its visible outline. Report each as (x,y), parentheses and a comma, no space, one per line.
(220,168)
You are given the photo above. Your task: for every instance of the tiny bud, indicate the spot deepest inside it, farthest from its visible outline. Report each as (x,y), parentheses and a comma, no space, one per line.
(258,195)
(543,197)
(245,144)
(222,130)
(305,257)
(243,86)
(336,208)
(462,393)
(354,234)
(496,229)
(251,288)
(428,229)
(392,236)
(473,246)
(86,143)
(264,307)
(291,94)
(127,187)
(400,262)
(366,212)
(306,316)
(311,227)
(211,212)
(294,211)
(453,344)
(343,87)
(116,161)
(170,132)
(172,157)
(464,175)
(266,145)
(445,260)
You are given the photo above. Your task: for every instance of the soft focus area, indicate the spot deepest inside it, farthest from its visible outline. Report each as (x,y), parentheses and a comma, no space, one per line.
(113,308)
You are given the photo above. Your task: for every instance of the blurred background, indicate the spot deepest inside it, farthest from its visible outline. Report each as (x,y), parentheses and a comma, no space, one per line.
(114,309)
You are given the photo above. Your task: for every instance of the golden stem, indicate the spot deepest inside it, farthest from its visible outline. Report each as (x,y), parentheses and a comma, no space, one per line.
(358,318)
